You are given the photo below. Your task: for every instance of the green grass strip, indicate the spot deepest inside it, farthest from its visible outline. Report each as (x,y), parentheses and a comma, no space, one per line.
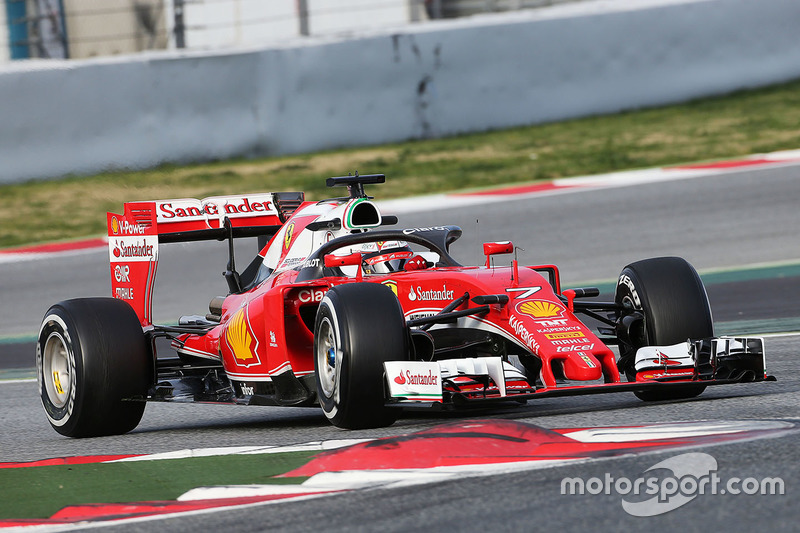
(753,273)
(724,127)
(15,374)
(39,492)
(742,328)
(17,339)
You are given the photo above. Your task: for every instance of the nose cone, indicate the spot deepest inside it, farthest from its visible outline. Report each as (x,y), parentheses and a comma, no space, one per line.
(582,366)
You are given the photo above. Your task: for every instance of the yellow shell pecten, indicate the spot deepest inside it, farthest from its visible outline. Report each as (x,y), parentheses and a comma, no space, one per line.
(540,309)
(239,338)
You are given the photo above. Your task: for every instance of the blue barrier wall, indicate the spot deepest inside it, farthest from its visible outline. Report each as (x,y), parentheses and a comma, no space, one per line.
(17,29)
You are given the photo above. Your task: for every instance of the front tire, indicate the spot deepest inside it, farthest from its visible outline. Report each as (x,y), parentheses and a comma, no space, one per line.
(358,327)
(670,296)
(92,358)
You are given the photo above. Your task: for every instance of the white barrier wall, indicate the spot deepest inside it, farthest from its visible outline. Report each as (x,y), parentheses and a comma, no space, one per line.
(426,80)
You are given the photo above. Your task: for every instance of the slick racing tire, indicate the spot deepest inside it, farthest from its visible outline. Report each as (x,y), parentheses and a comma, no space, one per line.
(358,327)
(94,367)
(672,299)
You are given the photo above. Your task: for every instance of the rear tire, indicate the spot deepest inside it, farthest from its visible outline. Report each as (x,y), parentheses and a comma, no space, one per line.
(670,295)
(358,327)
(92,358)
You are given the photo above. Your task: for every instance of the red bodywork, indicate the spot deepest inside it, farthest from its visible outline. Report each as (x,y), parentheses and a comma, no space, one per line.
(263,332)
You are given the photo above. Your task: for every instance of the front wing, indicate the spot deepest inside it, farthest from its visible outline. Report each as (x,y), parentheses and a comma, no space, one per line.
(481,380)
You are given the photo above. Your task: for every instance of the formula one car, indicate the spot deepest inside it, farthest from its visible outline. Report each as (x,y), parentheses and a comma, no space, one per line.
(339,311)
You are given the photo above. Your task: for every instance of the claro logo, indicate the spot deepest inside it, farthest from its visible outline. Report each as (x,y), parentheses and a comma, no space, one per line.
(311,295)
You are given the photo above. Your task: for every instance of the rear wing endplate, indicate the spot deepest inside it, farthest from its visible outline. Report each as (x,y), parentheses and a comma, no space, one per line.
(134,236)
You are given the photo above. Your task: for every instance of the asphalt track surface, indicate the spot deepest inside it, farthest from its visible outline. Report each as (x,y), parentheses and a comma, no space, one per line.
(729,220)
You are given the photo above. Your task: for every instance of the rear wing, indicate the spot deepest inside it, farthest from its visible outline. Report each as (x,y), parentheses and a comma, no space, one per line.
(134,236)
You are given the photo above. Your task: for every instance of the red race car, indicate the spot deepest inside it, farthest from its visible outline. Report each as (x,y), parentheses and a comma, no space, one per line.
(340,312)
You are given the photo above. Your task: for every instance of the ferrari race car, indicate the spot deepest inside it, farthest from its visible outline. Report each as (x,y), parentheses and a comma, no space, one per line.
(339,311)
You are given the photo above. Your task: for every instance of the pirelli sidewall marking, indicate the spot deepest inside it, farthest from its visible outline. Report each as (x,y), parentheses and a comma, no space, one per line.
(628,282)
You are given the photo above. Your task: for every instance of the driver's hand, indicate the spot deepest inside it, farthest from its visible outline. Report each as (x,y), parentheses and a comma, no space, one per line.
(416,263)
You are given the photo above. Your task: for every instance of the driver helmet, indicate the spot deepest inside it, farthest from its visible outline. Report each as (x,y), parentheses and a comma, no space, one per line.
(385,257)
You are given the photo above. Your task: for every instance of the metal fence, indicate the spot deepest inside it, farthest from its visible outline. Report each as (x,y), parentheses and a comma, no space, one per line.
(73,29)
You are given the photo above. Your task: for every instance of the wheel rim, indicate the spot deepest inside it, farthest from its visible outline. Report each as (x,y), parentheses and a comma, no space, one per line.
(56,372)
(327,357)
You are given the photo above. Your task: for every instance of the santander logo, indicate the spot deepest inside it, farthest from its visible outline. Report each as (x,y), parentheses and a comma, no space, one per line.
(417,379)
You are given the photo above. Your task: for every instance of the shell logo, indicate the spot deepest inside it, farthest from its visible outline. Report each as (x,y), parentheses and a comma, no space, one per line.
(115,225)
(392,284)
(240,339)
(540,309)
